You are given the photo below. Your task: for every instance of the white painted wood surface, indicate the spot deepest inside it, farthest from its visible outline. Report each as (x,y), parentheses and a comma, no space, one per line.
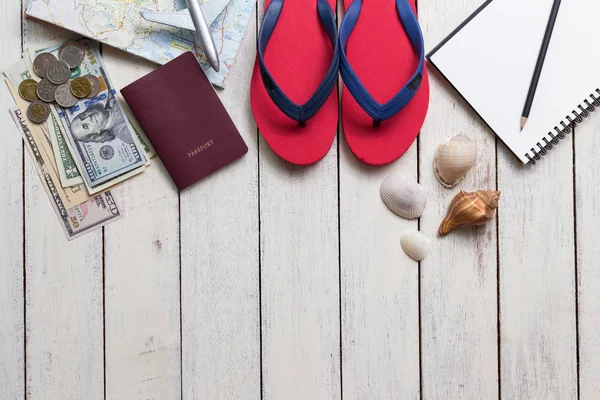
(380,286)
(141,276)
(538,354)
(63,292)
(12,333)
(379,283)
(587,195)
(268,281)
(299,288)
(220,263)
(458,280)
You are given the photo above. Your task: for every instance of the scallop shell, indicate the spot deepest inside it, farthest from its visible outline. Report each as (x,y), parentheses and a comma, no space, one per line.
(453,159)
(403,196)
(468,209)
(415,245)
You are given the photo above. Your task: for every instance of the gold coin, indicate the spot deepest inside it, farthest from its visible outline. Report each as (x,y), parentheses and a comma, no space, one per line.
(31,93)
(25,90)
(81,88)
(38,112)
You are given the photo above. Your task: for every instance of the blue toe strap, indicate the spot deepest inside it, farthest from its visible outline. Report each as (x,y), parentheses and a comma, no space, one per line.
(299,113)
(381,112)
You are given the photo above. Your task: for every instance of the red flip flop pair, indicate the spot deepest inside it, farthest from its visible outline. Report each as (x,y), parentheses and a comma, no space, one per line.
(380,55)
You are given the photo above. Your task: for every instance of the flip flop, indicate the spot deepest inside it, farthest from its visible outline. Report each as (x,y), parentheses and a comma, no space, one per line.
(382,63)
(292,91)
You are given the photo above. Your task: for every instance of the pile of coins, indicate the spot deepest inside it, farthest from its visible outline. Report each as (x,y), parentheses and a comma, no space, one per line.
(55,85)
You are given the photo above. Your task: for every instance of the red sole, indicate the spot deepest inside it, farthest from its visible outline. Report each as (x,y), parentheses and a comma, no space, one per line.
(298,56)
(380,53)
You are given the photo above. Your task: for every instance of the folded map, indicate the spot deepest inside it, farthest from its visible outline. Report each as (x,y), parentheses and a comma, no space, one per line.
(120,24)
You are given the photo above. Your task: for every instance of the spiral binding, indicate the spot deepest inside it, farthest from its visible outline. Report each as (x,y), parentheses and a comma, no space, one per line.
(565,128)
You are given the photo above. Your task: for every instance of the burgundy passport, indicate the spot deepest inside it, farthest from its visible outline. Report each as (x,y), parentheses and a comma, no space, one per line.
(184,119)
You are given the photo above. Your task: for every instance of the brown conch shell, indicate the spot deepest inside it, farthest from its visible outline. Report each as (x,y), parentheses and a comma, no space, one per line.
(468,209)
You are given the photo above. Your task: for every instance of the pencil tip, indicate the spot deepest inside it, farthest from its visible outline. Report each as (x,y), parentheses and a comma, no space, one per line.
(523,122)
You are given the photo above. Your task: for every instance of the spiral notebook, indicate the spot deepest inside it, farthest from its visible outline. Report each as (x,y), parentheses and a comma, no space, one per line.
(490,59)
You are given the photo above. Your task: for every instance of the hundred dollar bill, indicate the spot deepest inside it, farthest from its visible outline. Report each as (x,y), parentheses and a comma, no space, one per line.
(80,219)
(52,128)
(65,147)
(137,129)
(71,195)
(28,58)
(101,138)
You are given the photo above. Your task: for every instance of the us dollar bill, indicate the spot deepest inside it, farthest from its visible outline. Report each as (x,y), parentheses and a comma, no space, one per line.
(77,220)
(52,128)
(100,136)
(137,129)
(34,50)
(71,195)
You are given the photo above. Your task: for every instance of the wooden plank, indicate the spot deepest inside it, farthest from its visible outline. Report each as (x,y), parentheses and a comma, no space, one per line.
(63,292)
(379,283)
(587,185)
(299,279)
(537,276)
(220,261)
(299,276)
(458,279)
(12,330)
(142,313)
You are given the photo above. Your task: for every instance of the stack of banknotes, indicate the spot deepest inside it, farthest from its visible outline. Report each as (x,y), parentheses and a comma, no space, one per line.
(83,151)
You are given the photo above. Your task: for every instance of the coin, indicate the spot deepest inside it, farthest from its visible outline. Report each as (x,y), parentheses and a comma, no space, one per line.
(25,90)
(72,55)
(46,90)
(64,97)
(40,64)
(71,43)
(58,72)
(95,82)
(31,93)
(38,112)
(81,87)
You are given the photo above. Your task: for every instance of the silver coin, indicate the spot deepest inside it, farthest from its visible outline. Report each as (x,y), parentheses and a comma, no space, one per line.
(95,82)
(41,62)
(72,55)
(58,72)
(46,90)
(64,97)
(38,112)
(71,43)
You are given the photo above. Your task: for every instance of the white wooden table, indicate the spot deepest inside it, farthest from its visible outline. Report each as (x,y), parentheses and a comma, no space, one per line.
(268,281)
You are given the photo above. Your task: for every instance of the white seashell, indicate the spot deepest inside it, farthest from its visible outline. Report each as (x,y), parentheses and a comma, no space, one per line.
(415,245)
(453,159)
(403,196)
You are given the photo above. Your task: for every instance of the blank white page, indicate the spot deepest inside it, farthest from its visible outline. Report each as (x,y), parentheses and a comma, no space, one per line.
(491,61)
